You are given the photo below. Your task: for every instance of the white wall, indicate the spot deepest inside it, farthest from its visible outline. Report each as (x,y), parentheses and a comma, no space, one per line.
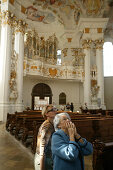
(108,92)
(73,90)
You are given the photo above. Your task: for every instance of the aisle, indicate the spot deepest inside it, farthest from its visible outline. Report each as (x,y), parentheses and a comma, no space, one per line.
(13,156)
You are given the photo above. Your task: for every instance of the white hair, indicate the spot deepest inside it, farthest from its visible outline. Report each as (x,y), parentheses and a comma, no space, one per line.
(57,118)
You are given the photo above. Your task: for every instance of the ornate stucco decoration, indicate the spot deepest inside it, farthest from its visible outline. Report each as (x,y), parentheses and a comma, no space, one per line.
(93,7)
(53,72)
(7,18)
(94,91)
(79,56)
(12,83)
(94,86)
(93,72)
(64,51)
(77,14)
(20,26)
(99,43)
(86,43)
(37,67)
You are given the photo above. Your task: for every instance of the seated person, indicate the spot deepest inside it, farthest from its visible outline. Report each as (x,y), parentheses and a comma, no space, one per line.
(68,147)
(68,106)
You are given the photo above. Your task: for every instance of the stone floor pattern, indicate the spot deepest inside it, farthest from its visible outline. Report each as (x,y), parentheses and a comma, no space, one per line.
(13,156)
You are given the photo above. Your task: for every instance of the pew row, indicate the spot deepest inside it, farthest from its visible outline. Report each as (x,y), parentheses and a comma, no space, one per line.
(93,127)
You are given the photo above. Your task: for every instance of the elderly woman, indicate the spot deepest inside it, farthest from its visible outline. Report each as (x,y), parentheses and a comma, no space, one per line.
(43,156)
(68,147)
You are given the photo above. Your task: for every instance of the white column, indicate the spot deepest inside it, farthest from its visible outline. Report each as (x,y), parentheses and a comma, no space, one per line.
(100,74)
(5,64)
(87,81)
(19,49)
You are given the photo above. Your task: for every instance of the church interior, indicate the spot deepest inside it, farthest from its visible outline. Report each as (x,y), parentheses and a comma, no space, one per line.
(52,53)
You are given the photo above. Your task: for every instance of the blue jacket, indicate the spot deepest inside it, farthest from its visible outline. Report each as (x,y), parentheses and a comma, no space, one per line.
(68,155)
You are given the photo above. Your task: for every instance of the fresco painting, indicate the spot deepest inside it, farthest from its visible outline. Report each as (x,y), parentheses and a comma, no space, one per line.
(39,16)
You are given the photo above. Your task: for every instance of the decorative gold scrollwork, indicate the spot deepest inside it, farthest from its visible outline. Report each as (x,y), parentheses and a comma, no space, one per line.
(20,26)
(64,51)
(79,56)
(7,18)
(86,43)
(99,43)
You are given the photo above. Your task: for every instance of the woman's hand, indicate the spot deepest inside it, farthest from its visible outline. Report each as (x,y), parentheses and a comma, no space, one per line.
(71,130)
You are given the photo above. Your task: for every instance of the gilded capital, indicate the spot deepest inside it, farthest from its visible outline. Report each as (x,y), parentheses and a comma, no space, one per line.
(99,44)
(20,26)
(7,18)
(86,44)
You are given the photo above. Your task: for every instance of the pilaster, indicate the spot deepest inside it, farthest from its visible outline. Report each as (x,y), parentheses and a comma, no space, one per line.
(100,74)
(19,49)
(87,85)
(5,62)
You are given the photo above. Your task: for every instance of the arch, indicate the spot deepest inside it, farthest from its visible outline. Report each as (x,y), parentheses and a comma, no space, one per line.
(41,90)
(62,98)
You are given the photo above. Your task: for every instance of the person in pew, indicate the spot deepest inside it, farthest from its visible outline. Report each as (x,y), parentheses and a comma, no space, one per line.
(68,147)
(71,107)
(68,106)
(43,156)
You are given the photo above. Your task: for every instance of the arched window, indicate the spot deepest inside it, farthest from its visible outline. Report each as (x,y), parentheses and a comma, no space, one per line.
(108,59)
(62,99)
(41,95)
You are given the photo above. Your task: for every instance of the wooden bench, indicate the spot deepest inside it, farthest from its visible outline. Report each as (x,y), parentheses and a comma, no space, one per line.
(103,155)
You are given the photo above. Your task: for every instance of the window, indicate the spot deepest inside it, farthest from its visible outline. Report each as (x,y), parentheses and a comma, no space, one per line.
(108,59)
(59,57)
(62,99)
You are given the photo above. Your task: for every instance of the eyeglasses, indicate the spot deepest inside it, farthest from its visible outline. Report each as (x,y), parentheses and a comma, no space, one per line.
(52,110)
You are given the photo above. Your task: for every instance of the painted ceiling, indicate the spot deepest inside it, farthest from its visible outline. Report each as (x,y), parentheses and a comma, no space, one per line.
(67,13)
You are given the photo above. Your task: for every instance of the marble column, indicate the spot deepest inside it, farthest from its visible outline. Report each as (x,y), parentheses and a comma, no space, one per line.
(87,81)
(100,74)
(19,49)
(5,63)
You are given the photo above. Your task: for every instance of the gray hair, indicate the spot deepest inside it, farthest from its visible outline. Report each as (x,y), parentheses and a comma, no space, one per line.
(57,118)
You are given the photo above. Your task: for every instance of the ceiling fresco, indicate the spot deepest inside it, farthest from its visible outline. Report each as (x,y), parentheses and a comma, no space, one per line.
(40,16)
(67,12)
(61,9)
(109,13)
(47,11)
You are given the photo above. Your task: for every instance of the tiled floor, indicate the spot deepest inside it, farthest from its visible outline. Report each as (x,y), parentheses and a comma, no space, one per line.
(14,156)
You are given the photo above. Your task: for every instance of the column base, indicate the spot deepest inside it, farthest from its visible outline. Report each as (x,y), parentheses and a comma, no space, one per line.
(9,108)
(4,109)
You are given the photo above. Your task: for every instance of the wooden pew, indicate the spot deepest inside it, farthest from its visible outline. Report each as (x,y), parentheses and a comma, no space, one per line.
(102,155)
(91,127)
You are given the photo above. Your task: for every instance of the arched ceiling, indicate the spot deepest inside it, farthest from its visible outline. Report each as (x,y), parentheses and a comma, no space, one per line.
(60,15)
(65,11)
